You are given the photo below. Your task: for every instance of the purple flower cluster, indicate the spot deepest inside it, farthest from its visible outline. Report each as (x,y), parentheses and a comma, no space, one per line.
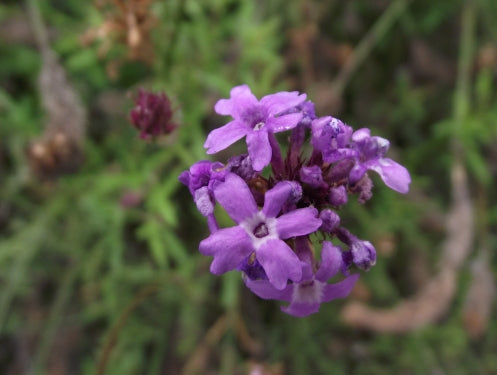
(287,217)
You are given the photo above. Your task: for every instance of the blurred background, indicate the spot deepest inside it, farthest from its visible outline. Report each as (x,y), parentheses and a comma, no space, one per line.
(99,265)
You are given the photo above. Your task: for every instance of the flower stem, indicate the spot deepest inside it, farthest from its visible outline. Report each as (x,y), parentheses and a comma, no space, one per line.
(276,160)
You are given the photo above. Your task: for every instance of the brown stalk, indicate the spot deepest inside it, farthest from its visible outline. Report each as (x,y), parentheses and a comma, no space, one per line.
(197,361)
(111,340)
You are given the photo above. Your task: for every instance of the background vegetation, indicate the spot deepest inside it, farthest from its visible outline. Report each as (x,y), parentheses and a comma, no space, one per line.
(99,267)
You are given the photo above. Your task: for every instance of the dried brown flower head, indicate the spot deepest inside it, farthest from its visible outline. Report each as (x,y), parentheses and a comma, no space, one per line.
(127,23)
(59,149)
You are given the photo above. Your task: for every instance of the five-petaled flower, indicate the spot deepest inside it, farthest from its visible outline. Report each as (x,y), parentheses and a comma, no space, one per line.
(370,155)
(255,119)
(260,232)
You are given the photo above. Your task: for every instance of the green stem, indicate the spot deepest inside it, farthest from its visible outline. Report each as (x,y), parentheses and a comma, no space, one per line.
(60,302)
(466,51)
(366,45)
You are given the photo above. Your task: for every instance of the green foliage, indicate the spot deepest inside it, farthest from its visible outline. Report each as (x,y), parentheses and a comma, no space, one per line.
(77,265)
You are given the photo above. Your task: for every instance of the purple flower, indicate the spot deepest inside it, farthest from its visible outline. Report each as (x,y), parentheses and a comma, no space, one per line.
(362,253)
(312,176)
(257,231)
(305,297)
(254,119)
(371,151)
(331,136)
(308,113)
(242,166)
(338,196)
(330,219)
(275,212)
(200,180)
(152,114)
(201,174)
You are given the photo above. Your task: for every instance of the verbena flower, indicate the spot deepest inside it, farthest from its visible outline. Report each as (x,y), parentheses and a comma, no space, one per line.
(370,155)
(254,119)
(260,232)
(199,180)
(306,296)
(278,212)
(332,137)
(152,114)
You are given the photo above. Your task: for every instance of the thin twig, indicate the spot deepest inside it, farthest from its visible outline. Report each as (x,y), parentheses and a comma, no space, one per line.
(111,340)
(196,361)
(60,302)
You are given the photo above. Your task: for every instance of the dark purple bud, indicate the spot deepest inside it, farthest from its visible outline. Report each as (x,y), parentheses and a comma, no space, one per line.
(295,193)
(330,219)
(347,262)
(363,254)
(338,196)
(312,176)
(339,173)
(364,188)
(152,114)
(252,268)
(242,166)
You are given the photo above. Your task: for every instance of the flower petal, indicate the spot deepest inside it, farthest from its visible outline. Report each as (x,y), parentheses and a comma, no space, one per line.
(357,172)
(228,246)
(331,261)
(298,223)
(259,149)
(394,175)
(339,290)
(235,197)
(283,123)
(279,262)
(226,135)
(361,134)
(301,309)
(203,201)
(282,101)
(265,290)
(240,99)
(280,194)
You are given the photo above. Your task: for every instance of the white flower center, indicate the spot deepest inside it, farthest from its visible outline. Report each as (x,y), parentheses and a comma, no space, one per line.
(259,126)
(260,229)
(310,291)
